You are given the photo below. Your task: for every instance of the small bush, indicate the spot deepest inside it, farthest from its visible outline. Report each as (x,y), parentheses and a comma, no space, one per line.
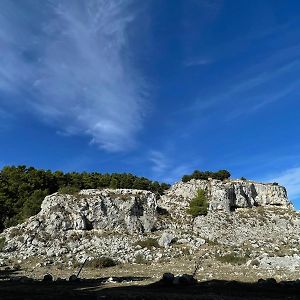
(2,243)
(14,232)
(199,204)
(232,259)
(69,190)
(102,262)
(243,178)
(149,243)
(140,259)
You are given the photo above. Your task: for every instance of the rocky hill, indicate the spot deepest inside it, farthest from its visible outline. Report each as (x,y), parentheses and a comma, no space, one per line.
(251,223)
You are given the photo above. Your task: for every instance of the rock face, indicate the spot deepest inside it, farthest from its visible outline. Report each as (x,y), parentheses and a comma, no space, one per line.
(121,210)
(226,195)
(113,223)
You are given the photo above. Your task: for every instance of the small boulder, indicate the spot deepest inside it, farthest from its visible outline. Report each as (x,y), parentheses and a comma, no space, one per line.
(176,280)
(48,278)
(271,281)
(166,239)
(187,279)
(73,278)
(168,278)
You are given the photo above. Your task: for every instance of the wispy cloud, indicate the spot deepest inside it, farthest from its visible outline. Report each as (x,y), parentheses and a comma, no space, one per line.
(291,180)
(254,85)
(69,63)
(166,169)
(197,62)
(160,163)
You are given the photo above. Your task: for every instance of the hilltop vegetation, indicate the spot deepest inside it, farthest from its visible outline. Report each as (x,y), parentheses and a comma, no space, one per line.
(220,175)
(22,188)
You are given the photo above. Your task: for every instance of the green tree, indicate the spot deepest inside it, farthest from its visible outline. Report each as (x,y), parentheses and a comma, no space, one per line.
(199,204)
(22,189)
(114,183)
(33,204)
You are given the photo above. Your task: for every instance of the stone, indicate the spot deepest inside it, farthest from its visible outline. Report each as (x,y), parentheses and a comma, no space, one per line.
(48,278)
(166,239)
(73,278)
(168,278)
(187,279)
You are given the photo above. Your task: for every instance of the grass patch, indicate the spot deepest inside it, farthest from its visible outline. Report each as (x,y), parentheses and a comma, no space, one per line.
(102,262)
(232,259)
(15,232)
(140,259)
(2,243)
(149,243)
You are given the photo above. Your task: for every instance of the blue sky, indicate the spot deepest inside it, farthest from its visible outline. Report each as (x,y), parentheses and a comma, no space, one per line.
(156,88)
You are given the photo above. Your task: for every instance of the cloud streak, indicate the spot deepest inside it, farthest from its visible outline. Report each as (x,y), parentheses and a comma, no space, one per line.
(165,169)
(71,66)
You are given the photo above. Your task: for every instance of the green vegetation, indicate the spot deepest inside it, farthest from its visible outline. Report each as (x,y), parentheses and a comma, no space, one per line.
(22,189)
(140,259)
(102,262)
(199,204)
(232,259)
(2,243)
(149,243)
(69,190)
(220,175)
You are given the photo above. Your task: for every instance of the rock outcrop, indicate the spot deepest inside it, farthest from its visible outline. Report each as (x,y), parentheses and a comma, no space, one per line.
(229,195)
(121,210)
(113,223)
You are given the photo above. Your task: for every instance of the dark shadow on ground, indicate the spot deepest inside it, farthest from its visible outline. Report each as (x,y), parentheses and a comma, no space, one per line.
(209,290)
(6,274)
(97,289)
(17,288)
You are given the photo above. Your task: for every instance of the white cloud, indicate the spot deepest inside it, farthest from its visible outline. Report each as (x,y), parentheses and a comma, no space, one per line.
(291,180)
(71,66)
(160,163)
(166,169)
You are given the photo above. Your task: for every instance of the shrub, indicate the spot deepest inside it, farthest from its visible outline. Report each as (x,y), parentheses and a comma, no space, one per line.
(149,243)
(243,178)
(2,243)
(199,204)
(102,262)
(232,259)
(140,259)
(70,190)
(16,231)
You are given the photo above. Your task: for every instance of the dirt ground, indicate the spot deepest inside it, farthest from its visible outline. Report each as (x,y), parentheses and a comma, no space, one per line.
(216,280)
(96,289)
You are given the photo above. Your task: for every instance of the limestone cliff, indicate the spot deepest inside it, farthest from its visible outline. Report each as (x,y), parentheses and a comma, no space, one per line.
(113,222)
(121,210)
(225,195)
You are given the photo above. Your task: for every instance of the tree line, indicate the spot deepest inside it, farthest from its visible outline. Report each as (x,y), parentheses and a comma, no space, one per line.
(22,189)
